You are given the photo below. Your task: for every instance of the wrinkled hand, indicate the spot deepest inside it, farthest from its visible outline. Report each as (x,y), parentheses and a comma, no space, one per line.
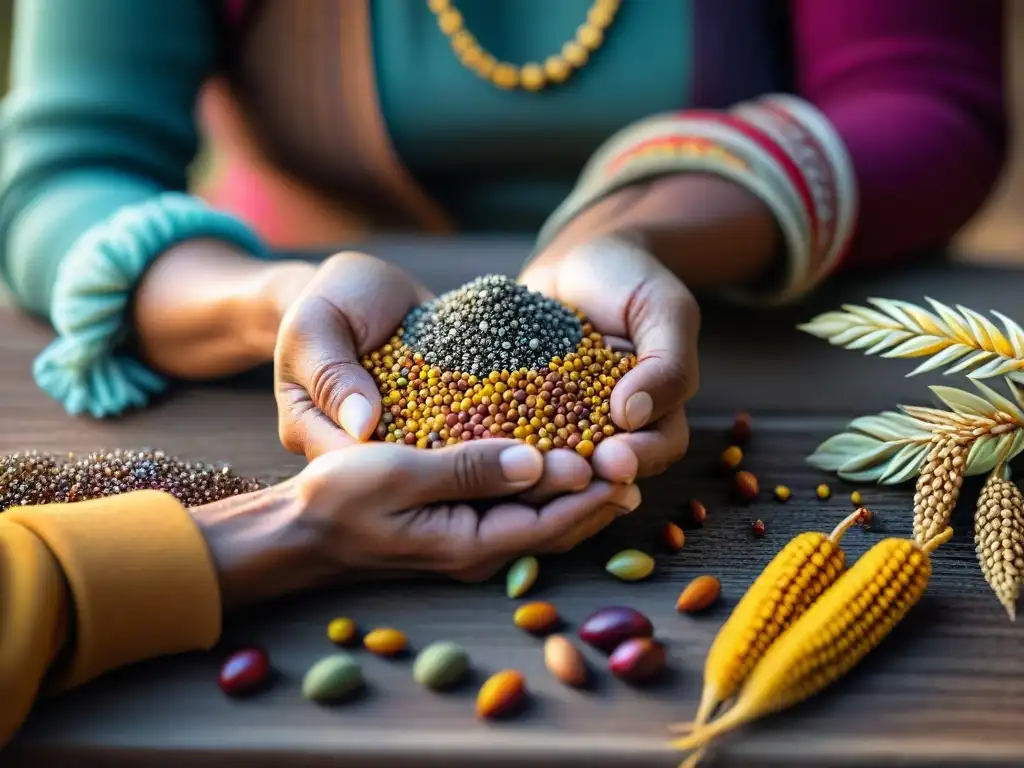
(326,400)
(380,507)
(629,294)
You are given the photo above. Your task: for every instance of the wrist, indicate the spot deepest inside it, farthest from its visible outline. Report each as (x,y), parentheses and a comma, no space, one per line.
(261,545)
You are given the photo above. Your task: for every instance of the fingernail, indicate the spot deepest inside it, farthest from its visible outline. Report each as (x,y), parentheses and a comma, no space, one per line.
(638,410)
(521,463)
(356,415)
(629,498)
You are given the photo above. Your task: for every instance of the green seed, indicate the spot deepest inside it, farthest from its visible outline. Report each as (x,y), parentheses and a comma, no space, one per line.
(440,665)
(630,565)
(332,678)
(521,576)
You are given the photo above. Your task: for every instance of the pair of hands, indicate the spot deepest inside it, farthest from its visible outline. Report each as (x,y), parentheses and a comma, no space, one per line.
(395,499)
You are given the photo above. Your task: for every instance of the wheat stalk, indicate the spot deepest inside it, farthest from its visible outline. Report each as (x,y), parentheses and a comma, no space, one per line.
(961,340)
(892,447)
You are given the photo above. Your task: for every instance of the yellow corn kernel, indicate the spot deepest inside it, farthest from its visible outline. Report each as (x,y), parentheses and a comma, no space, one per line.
(832,636)
(795,578)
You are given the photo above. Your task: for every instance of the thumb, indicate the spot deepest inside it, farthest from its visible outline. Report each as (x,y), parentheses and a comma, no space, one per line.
(473,470)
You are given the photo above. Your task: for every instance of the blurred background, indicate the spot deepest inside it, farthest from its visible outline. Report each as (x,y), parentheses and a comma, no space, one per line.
(996,235)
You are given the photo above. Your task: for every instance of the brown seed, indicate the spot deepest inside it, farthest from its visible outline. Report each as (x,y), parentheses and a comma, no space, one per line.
(731,457)
(746,485)
(741,428)
(638,660)
(565,662)
(697,511)
(673,536)
(536,618)
(385,641)
(501,694)
(757,527)
(699,594)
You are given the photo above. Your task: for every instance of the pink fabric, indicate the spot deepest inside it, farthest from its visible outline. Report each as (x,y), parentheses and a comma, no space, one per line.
(915,89)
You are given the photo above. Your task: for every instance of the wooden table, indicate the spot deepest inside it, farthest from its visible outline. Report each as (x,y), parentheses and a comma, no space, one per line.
(946,688)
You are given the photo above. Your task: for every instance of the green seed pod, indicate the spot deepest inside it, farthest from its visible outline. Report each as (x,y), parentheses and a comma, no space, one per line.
(521,576)
(332,678)
(630,565)
(440,665)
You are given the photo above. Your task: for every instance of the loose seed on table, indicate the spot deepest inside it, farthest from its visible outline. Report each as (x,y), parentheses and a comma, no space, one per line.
(630,565)
(565,662)
(332,678)
(731,457)
(746,485)
(385,641)
(757,528)
(501,694)
(742,428)
(638,660)
(699,594)
(782,493)
(856,498)
(245,672)
(441,665)
(673,536)
(823,491)
(536,618)
(521,576)
(606,628)
(342,631)
(698,511)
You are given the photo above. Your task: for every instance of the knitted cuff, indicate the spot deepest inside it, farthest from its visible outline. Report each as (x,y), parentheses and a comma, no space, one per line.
(780,148)
(91,297)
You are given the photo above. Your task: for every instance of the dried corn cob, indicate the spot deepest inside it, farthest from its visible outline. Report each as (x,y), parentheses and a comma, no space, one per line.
(999,538)
(938,487)
(833,635)
(795,578)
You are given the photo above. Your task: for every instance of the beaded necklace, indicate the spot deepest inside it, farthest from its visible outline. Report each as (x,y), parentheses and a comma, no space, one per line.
(532,76)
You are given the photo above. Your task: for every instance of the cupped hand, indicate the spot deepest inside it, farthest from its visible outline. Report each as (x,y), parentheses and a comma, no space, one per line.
(382,507)
(326,399)
(629,294)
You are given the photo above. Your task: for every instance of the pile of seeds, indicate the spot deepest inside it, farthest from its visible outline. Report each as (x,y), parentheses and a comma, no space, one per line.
(35,478)
(493,359)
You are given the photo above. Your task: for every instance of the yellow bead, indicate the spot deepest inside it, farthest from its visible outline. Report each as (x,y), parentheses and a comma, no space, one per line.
(450,21)
(463,41)
(341,631)
(439,6)
(557,69)
(590,37)
(485,67)
(505,76)
(532,77)
(575,54)
(600,16)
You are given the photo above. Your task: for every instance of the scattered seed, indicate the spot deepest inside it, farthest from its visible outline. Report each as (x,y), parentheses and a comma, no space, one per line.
(746,485)
(385,641)
(536,618)
(342,631)
(565,662)
(441,665)
(638,660)
(501,694)
(673,536)
(700,594)
(698,511)
(521,576)
(757,527)
(245,672)
(731,457)
(606,628)
(332,678)
(856,498)
(741,428)
(782,493)
(630,565)
(823,491)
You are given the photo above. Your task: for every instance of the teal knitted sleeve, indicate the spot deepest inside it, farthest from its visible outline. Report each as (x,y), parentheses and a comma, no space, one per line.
(97,133)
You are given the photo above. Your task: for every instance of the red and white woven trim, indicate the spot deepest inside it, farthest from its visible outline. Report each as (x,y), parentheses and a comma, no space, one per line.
(780,148)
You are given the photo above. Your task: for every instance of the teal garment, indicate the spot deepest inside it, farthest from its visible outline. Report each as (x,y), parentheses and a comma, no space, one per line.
(99,126)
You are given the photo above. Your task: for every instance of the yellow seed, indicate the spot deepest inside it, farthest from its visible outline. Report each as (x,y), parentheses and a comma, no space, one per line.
(385,641)
(823,491)
(831,637)
(630,565)
(731,457)
(856,498)
(782,493)
(341,631)
(787,587)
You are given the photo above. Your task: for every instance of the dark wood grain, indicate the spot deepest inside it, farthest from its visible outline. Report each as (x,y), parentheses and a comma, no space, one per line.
(946,688)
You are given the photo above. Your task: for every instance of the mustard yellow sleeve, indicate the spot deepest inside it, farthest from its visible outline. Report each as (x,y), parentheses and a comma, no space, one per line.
(100,584)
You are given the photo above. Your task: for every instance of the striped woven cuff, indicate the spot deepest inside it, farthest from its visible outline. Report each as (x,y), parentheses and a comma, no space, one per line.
(779,148)
(91,297)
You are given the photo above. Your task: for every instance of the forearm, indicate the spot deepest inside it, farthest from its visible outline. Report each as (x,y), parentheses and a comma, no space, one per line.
(205,309)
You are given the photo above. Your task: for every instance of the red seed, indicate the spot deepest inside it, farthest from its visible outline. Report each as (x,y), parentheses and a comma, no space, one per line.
(741,428)
(758,528)
(245,672)
(697,511)
(746,485)
(637,660)
(608,628)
